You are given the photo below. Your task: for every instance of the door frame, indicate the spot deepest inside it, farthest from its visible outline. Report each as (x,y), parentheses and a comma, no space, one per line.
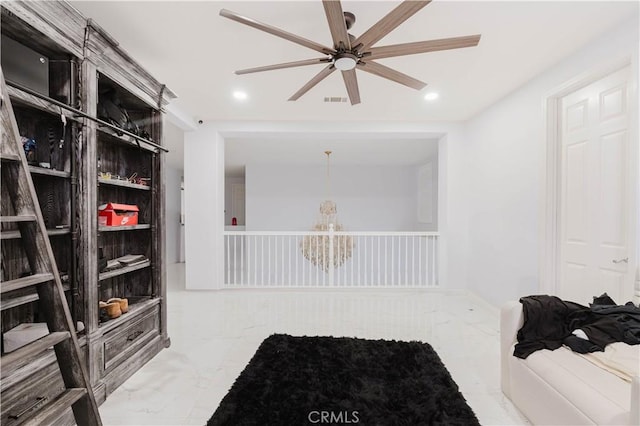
(550,183)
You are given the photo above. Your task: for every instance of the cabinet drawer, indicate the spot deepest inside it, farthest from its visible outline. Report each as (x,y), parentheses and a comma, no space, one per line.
(123,341)
(25,398)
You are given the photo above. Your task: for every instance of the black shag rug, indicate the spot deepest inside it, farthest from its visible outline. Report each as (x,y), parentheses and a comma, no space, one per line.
(327,380)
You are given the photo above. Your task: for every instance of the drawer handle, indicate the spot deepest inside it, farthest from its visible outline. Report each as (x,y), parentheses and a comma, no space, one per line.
(134,335)
(39,400)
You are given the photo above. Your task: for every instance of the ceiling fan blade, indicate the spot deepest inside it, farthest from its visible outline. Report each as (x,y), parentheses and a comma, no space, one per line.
(276,31)
(337,25)
(384,26)
(315,80)
(390,74)
(423,47)
(283,65)
(351,81)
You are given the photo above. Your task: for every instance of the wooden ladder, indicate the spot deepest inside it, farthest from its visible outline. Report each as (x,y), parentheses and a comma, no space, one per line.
(45,277)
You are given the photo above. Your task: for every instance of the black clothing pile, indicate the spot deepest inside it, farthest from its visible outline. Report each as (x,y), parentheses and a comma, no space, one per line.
(549,323)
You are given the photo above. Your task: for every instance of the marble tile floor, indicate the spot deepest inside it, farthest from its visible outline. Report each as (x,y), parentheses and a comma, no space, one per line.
(214,334)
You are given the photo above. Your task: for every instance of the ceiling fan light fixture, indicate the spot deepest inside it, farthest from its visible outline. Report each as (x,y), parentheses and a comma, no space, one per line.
(345,61)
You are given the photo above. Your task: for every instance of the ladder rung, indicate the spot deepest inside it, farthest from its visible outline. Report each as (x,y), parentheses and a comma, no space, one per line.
(21,218)
(23,282)
(9,157)
(52,411)
(24,355)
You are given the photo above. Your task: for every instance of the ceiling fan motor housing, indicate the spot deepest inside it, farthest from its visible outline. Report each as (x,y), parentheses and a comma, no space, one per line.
(349,19)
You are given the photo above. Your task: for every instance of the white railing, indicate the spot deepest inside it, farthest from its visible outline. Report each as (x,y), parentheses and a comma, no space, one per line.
(373,259)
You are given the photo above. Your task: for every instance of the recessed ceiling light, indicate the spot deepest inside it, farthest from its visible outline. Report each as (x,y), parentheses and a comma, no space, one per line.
(240,95)
(431,96)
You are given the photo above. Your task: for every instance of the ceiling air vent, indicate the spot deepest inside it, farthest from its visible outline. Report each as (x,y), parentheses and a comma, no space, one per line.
(335,99)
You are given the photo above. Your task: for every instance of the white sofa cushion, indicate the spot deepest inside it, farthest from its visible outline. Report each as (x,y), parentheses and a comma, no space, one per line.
(602,396)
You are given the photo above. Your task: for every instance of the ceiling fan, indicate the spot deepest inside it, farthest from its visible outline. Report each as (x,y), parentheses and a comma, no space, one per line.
(350,53)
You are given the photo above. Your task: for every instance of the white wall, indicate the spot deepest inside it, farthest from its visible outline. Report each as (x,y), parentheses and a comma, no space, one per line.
(505,154)
(173,229)
(174,139)
(374,198)
(204,208)
(427,193)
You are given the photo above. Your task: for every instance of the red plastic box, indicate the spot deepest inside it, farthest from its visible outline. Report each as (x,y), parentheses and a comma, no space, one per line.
(112,214)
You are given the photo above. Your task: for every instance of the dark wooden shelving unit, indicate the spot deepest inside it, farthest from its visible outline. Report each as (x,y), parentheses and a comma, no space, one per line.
(84,64)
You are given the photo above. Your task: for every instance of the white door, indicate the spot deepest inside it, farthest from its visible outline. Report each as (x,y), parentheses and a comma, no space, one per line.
(596,244)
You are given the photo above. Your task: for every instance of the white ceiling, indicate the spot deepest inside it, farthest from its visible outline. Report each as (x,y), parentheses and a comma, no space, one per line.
(193,50)
(188,46)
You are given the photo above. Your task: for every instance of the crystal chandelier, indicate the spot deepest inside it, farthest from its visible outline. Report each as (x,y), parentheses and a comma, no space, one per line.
(327,251)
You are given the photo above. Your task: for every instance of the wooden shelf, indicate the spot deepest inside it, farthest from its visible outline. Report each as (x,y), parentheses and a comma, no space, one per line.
(32,296)
(123,183)
(18,97)
(12,235)
(123,270)
(135,309)
(123,228)
(113,136)
(35,170)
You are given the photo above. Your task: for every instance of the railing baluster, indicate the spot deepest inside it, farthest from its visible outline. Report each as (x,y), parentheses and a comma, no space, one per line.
(364,259)
(336,277)
(242,260)
(309,263)
(273,260)
(359,262)
(233,262)
(414,266)
(433,263)
(399,260)
(325,261)
(262,269)
(392,261)
(344,275)
(419,260)
(227,254)
(369,268)
(406,260)
(386,261)
(289,253)
(379,268)
(317,282)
